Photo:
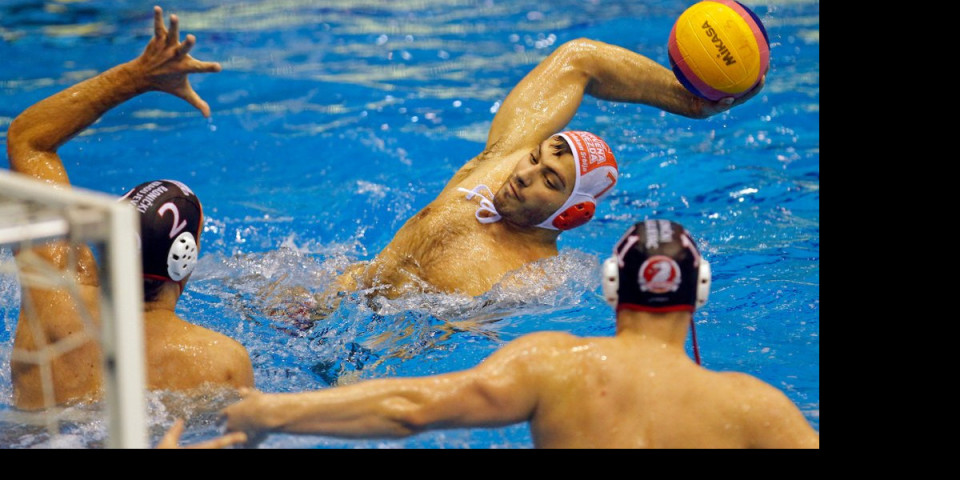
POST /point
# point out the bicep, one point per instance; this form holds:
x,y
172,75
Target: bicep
x,y
543,102
500,391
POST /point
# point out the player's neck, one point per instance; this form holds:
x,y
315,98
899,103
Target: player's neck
x,y
534,235
166,299
664,328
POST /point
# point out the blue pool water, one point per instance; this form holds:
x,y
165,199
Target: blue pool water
x,y
333,124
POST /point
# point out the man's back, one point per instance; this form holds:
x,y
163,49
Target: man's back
x,y
631,391
179,355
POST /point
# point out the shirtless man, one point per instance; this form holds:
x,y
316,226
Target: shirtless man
x,y
180,355
544,183
637,389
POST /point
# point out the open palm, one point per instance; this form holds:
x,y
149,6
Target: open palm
x,y
166,62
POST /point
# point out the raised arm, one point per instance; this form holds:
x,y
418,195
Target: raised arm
x,y
548,97
500,391
35,135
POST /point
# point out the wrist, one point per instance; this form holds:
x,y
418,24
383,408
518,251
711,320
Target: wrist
x,y
274,411
131,78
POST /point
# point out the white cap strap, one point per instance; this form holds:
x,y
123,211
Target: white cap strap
x,y
486,204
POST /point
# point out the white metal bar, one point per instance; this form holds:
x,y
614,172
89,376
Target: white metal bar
x,y
126,353
122,305
36,231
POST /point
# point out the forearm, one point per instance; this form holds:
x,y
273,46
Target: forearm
x,y
620,75
377,408
50,123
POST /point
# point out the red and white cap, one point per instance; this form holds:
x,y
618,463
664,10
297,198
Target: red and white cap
x,y
596,175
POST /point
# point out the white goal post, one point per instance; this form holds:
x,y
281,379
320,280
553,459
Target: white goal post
x,y
33,211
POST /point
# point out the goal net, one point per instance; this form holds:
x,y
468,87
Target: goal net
x,y
33,213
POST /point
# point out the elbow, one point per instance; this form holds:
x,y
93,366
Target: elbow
x,y
406,417
22,144
15,141
581,45
580,53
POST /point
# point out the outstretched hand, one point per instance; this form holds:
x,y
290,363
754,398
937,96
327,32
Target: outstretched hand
x,y
166,62
708,108
246,417
172,438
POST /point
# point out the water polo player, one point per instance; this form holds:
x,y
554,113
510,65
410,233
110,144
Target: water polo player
x,y
507,206
180,355
636,389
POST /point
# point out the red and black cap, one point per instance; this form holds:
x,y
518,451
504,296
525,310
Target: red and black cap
x,y
659,268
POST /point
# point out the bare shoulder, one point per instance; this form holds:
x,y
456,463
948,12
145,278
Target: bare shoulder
x,y
491,155
772,418
551,339
752,387
535,346
221,344
225,354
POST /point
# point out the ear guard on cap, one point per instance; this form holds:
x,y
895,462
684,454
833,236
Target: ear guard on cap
x,y
575,215
610,283
596,170
703,283
182,258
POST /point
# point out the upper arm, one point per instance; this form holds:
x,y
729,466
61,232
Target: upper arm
x,y
544,101
32,157
41,162
502,390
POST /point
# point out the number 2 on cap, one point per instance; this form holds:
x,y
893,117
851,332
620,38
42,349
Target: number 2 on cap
x,y
176,228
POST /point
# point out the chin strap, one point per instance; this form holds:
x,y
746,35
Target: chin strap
x,y
486,204
696,347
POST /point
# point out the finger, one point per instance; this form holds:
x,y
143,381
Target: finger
x,y
187,93
753,91
187,45
235,438
255,440
174,36
171,439
204,67
158,29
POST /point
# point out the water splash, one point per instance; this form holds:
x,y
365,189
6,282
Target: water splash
x,y
271,294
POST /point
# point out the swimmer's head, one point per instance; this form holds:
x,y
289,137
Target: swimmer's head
x,y
557,184
171,219
656,267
